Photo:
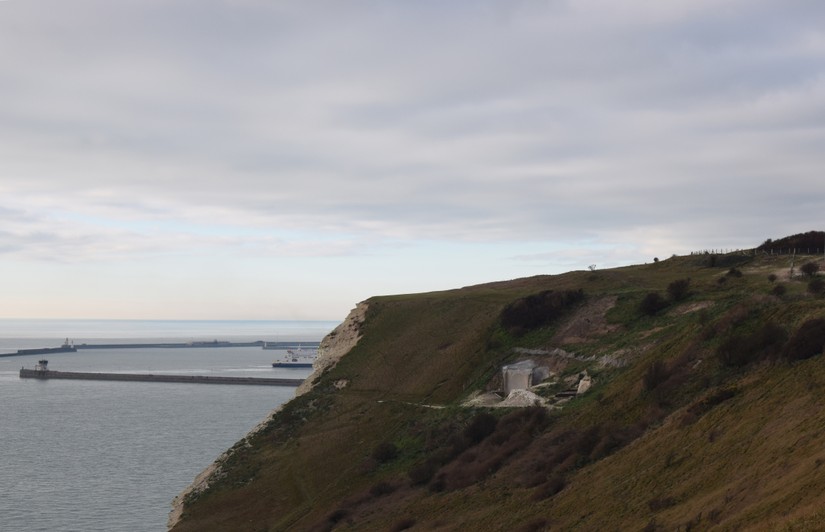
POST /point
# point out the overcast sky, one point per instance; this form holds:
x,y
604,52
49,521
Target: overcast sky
x,y
246,159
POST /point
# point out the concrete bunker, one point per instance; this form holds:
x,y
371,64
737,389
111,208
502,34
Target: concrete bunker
x,y
522,375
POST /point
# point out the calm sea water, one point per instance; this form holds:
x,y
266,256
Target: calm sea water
x,y
111,456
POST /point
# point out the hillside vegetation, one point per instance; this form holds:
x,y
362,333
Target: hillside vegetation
x,y
705,411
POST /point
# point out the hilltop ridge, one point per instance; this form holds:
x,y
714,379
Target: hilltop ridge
x,y
704,409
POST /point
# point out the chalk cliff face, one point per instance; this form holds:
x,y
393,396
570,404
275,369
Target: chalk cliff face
x,y
335,345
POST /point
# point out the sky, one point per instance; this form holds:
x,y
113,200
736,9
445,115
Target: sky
x,y
246,159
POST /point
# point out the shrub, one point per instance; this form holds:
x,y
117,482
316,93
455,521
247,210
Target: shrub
x,y
338,515
716,398
481,426
404,524
381,488
779,290
816,286
513,433
678,290
613,437
742,349
532,419
652,303
809,268
734,272
422,473
538,310
657,372
553,485
770,336
807,341
772,277
385,452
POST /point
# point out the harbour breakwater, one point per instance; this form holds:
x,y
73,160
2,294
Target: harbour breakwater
x,y
193,379
173,345
199,345
66,348
41,351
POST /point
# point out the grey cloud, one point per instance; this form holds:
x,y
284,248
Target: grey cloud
x,y
467,121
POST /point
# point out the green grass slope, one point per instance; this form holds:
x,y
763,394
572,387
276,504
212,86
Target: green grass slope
x,y
705,413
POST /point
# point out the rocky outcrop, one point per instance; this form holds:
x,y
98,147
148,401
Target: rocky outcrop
x,y
585,383
336,344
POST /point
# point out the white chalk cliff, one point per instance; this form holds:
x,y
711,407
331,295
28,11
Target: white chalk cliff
x,y
335,345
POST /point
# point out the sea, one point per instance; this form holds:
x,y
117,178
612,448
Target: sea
x,y
111,456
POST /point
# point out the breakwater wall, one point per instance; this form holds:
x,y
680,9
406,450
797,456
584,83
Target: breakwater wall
x,y
200,345
162,345
174,345
40,351
193,379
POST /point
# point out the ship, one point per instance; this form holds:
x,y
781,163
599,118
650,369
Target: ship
x,y
298,358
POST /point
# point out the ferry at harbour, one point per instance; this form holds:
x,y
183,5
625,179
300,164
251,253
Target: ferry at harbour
x,y
296,358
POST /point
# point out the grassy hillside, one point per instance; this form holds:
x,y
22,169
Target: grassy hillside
x,y
705,412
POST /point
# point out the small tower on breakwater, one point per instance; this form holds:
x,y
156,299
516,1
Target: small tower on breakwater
x,y
42,366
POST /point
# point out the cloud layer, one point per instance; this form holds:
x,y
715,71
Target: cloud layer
x,y
337,129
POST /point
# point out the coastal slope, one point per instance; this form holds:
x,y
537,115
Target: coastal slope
x,y
702,409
